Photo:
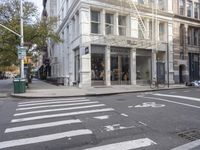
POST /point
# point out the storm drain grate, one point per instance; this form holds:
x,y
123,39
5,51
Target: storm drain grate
x,y
191,135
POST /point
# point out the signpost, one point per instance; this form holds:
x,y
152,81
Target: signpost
x,y
21,52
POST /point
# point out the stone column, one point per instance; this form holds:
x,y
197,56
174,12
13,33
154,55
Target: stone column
x,y
85,57
103,29
133,66
170,51
107,66
154,64
116,25
192,9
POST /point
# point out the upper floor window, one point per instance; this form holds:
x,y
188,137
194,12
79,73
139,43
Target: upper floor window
x,y
109,26
162,31
161,4
181,7
189,36
150,29
189,9
141,1
122,25
182,34
151,2
196,10
95,22
196,34
140,29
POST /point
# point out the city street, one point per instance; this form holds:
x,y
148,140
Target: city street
x,y
152,120
5,87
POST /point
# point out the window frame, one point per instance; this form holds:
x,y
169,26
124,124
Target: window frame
x,y
121,26
95,22
109,25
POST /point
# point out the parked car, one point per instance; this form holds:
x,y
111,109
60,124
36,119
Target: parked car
x,y
195,83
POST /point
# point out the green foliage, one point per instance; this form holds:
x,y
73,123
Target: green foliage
x,y
36,30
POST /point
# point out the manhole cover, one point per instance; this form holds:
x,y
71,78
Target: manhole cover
x,y
191,135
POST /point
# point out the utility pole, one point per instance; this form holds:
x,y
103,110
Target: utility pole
x,y
22,39
21,35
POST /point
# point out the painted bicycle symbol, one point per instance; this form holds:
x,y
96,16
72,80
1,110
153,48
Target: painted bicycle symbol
x,y
150,104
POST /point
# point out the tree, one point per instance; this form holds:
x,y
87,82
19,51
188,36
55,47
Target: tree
x,y
36,30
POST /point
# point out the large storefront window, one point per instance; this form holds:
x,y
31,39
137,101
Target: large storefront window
x,y
120,67
143,65
98,65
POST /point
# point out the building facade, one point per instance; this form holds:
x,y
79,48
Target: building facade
x,y
186,40
112,42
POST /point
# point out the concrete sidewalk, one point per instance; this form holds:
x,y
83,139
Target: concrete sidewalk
x,y
41,89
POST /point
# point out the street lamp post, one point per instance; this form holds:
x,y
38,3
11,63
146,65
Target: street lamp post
x,y
21,35
22,39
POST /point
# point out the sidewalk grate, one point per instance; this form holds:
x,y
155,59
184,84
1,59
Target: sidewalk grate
x,y
191,135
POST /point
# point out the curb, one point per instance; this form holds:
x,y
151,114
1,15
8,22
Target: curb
x,y
93,94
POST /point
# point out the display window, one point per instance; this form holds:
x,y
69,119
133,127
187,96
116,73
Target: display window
x,y
98,68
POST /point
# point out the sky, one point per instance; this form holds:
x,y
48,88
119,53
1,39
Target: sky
x,y
38,3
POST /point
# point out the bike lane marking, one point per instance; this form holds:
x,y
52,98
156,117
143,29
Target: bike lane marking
x,y
165,100
177,96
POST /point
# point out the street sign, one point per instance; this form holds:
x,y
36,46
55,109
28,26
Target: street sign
x,y
21,52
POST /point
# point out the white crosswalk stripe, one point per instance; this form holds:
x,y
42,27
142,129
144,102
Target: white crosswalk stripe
x,y
43,138
43,125
51,100
127,145
59,109
62,115
52,106
55,102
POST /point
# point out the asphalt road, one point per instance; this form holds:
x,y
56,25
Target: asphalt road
x,y
5,87
146,121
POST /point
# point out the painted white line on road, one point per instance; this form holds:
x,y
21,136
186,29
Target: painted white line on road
x,y
144,124
165,100
57,102
44,138
188,146
51,100
177,96
59,109
127,145
102,117
52,106
61,115
43,125
125,115
186,91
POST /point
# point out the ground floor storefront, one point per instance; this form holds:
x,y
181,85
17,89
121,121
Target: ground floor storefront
x,y
122,66
189,69
103,65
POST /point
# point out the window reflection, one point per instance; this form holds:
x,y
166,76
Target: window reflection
x,y
98,67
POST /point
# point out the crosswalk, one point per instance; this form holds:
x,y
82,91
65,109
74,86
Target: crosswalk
x,y
43,121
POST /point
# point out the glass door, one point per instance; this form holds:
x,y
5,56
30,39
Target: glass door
x,y
120,69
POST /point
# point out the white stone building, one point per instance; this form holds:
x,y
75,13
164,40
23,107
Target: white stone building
x,y
111,42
